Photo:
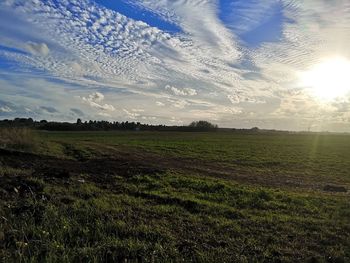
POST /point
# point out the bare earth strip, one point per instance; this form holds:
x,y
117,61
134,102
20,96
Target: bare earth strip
x,y
120,160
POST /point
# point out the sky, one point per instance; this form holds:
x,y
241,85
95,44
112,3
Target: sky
x,y
274,64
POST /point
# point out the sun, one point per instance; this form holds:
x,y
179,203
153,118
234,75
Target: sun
x,y
328,80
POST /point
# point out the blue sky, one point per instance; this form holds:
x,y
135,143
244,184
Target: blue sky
x,y
236,63
136,13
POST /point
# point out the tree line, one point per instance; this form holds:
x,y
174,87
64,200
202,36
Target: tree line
x,y
80,125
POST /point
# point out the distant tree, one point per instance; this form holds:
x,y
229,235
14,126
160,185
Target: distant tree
x,y
79,121
203,126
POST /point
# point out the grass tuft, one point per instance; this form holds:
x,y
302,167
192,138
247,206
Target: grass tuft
x,y
18,139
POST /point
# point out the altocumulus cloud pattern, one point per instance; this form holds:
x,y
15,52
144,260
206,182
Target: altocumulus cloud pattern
x,y
235,63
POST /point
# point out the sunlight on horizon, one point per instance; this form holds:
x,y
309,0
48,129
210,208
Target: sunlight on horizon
x,y
328,80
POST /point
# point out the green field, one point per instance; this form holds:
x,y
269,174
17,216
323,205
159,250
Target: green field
x,y
176,197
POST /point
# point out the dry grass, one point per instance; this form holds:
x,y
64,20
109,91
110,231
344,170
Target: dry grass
x,y
17,138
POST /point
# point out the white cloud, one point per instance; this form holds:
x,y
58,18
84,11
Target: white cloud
x,y
181,92
40,49
131,115
179,103
160,104
234,99
104,114
5,109
95,99
138,110
176,120
232,110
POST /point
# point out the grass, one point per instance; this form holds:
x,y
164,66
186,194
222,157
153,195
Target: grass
x,y
129,213
296,154
18,138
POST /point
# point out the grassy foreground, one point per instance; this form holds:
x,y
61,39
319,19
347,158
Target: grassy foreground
x,y
176,197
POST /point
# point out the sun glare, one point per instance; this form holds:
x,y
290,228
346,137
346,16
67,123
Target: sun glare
x,y
329,79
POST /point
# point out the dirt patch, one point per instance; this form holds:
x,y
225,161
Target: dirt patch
x,y
130,162
335,188
52,172
62,169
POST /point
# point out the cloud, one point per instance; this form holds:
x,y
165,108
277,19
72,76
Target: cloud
x,y
176,120
40,49
95,99
104,114
49,109
179,103
77,112
206,66
131,115
181,92
130,54
138,110
234,99
5,109
9,109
